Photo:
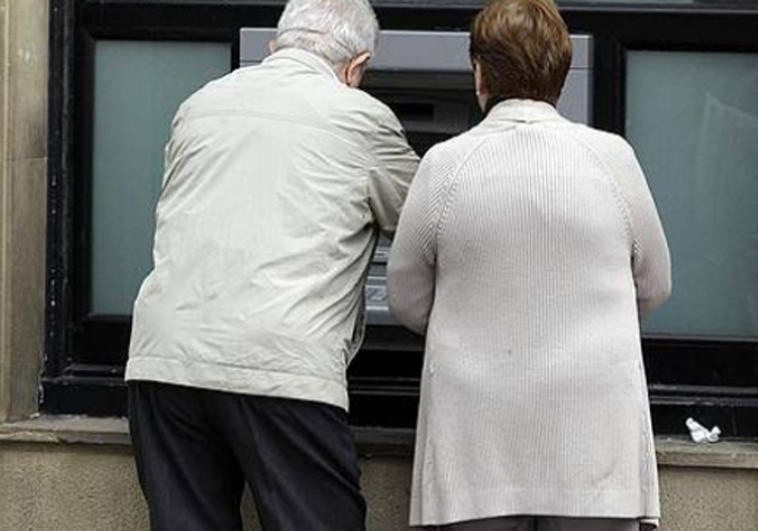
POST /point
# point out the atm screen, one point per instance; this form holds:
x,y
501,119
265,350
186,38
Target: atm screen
x,y
432,108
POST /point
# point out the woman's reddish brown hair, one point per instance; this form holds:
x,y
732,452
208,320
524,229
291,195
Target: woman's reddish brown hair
x,y
523,48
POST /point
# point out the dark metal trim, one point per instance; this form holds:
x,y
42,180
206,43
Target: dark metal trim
x,y
706,6
394,403
59,294
82,142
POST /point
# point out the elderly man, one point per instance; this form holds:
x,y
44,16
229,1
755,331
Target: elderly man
x,y
277,178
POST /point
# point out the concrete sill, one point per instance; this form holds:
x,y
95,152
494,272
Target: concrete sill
x,y
115,431
67,429
370,442
732,454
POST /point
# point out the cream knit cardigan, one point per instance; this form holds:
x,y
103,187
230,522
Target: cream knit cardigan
x,y
525,252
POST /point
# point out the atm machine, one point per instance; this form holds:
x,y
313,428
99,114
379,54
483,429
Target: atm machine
x,y
426,78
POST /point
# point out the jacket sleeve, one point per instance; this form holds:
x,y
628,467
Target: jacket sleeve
x,y
172,161
391,175
412,264
651,262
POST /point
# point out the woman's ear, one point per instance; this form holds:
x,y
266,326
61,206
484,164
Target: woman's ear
x,y
482,94
481,88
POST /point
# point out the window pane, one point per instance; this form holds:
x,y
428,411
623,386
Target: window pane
x,y
138,87
693,119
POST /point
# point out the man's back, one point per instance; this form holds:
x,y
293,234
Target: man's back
x,y
276,179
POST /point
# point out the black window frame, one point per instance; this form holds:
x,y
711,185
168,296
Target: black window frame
x,y
714,379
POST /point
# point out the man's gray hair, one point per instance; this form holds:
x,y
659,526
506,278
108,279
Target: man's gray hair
x,y
336,30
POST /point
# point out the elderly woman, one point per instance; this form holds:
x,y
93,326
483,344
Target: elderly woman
x,y
528,250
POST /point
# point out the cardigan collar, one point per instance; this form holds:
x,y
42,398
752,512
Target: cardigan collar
x,y
303,57
524,111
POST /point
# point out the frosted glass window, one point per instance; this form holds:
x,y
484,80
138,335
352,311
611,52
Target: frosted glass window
x,y
138,87
693,120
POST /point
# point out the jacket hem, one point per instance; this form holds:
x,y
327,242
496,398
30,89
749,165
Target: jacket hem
x,y
242,380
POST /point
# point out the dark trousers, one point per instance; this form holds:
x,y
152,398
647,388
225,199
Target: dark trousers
x,y
195,449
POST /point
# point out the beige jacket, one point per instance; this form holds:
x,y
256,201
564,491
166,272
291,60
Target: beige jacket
x,y
277,180
525,251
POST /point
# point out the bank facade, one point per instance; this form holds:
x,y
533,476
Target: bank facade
x,y
87,90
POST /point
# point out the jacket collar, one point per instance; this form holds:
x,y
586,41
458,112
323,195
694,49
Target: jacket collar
x,y
303,57
525,111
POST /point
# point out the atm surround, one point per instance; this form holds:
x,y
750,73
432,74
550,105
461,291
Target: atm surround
x,y
425,77
424,62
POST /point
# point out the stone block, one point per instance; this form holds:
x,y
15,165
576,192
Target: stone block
x,y
25,265
28,74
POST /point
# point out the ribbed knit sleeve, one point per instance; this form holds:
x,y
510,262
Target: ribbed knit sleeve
x,y
651,262
411,268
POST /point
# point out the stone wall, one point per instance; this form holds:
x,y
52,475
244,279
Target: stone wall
x,y
85,481
23,170
78,475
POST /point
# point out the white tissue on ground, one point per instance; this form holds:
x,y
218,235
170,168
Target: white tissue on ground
x,y
701,434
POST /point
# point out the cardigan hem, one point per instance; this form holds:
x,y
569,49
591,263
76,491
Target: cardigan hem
x,y
477,505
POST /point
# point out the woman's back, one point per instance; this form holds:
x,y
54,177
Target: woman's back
x,y
533,248
525,251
